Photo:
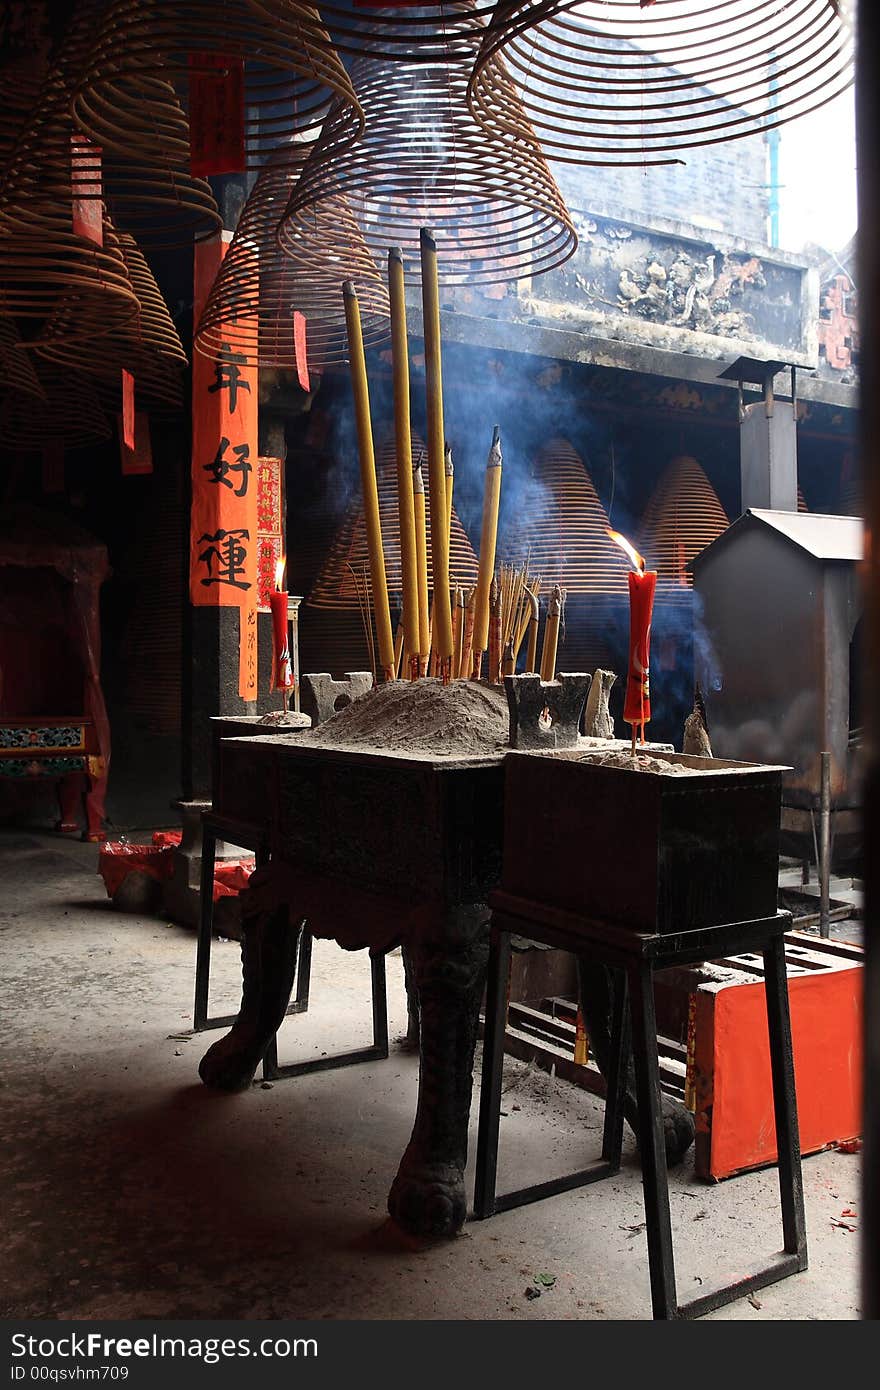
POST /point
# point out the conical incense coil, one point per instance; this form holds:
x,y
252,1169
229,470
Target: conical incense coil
x,y
143,176
291,69
560,528
627,83
259,287
43,260
425,33
682,517
16,368
423,161
149,348
342,577
71,416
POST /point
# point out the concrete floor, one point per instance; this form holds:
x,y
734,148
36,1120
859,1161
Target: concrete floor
x,y
133,1192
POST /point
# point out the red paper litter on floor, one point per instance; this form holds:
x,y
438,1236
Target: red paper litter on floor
x,y
118,858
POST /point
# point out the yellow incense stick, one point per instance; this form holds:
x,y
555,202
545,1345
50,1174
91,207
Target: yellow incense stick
x,y
441,630
403,449
358,368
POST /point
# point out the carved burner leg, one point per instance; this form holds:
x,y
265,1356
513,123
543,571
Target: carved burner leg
x,y
427,1197
597,988
268,966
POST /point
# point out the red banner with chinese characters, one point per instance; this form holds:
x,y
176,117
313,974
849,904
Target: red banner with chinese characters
x,y
216,114
270,511
223,519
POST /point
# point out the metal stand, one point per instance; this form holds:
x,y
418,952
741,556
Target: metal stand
x,y
216,828
638,956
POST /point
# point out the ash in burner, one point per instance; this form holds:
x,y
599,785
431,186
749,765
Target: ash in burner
x,y
642,762
424,716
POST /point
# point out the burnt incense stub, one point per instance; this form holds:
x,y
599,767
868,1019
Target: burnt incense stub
x,y
661,844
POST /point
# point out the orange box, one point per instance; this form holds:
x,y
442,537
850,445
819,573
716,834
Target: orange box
x,y
728,1069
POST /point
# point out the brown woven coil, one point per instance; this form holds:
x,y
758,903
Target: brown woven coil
x,y
259,286
348,559
43,260
149,347
682,517
561,527
422,160
71,416
17,375
621,82
426,33
144,178
291,67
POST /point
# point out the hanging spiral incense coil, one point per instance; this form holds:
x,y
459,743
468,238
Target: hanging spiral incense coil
x,y
291,69
71,416
424,33
620,82
337,584
42,260
682,517
258,286
149,348
17,375
422,160
144,178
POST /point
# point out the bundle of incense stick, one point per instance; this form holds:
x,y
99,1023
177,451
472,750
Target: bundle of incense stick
x,y
518,590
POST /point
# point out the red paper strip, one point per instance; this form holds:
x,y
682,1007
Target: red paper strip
x,y
86,189
301,349
128,410
140,458
216,113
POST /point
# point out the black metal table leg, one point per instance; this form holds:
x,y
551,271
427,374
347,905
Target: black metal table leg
x,y
378,1049
652,1147
201,1021
380,1005
612,1133
791,1186
493,1063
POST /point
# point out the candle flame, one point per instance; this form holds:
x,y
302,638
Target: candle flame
x,y
279,572
638,561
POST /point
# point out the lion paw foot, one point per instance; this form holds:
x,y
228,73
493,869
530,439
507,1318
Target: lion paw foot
x,y
230,1064
428,1199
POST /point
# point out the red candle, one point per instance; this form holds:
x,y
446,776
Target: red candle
x,y
642,583
282,671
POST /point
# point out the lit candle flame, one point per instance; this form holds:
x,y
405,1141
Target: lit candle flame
x,y
638,561
279,573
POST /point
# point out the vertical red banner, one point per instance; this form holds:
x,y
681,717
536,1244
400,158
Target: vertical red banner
x,y
223,518
216,114
270,547
86,189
